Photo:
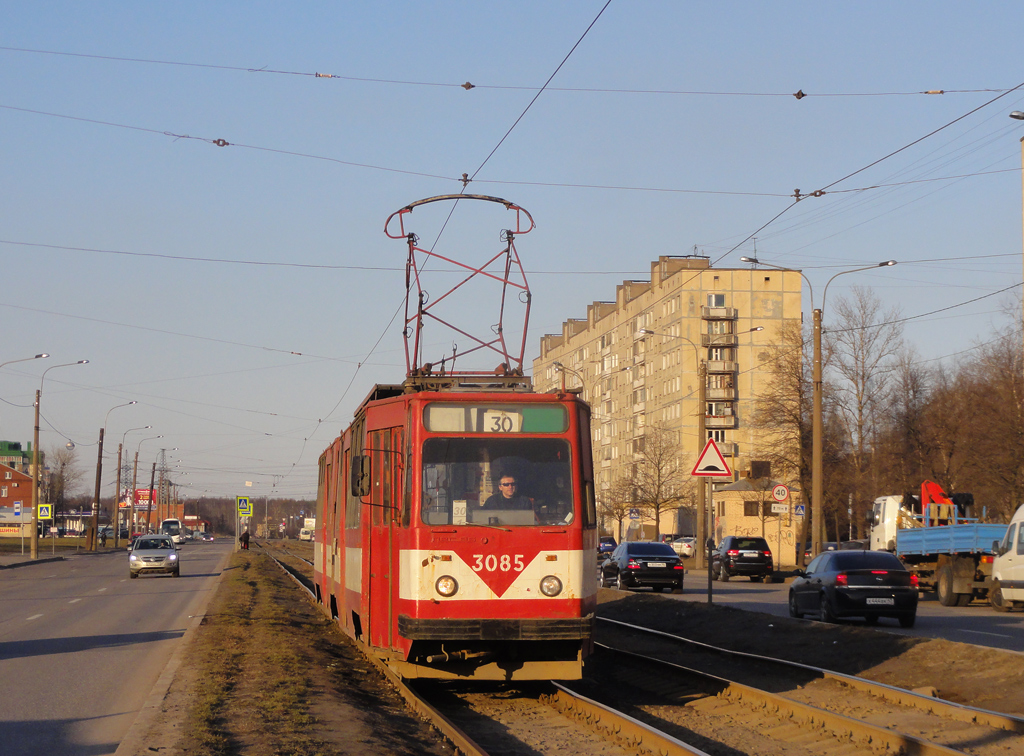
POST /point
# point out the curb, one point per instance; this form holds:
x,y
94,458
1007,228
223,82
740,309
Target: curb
x,y
29,562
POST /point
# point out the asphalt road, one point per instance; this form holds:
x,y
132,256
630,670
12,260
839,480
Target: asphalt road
x,y
977,623
81,645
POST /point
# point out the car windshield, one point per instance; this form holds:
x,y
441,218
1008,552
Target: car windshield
x,y
865,560
153,544
496,481
650,549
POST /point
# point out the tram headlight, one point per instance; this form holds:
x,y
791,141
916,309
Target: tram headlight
x,y
447,586
550,586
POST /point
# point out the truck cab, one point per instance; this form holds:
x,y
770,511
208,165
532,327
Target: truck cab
x,y
1008,566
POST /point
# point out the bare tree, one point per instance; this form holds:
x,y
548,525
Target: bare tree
x,y
658,477
616,502
864,343
65,477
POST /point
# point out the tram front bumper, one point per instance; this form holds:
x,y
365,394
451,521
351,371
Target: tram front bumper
x,y
577,628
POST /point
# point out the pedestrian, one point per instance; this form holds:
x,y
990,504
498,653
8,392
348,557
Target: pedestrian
x,y
245,540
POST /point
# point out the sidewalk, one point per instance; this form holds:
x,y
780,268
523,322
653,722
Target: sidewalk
x,y
9,561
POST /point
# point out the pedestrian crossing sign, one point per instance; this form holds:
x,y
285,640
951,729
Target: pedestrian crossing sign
x,y
244,506
46,511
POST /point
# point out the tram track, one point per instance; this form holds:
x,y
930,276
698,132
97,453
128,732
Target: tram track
x,y
685,697
776,700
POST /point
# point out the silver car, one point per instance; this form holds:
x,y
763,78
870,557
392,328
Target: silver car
x,y
154,553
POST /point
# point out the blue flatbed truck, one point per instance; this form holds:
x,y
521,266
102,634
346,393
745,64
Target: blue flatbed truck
x,y
947,552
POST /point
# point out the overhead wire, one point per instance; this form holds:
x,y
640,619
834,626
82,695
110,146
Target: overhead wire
x,y
799,94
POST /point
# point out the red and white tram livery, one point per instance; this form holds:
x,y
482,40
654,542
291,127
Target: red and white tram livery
x,y
456,530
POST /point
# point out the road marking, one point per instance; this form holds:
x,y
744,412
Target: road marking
x,y
102,589
72,601
981,632
34,616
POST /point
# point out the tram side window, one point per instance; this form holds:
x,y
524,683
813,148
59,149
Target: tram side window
x,y
589,498
496,481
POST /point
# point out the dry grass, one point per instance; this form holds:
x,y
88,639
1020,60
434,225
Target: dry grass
x,y
252,689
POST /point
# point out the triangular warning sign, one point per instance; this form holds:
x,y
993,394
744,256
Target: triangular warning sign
x,y
711,463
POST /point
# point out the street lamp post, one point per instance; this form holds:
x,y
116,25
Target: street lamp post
x,y
135,477
99,474
1019,116
34,542
817,432
131,502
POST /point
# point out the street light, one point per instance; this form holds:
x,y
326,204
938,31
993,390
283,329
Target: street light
x,y
817,514
135,478
1019,116
34,542
24,359
131,504
99,474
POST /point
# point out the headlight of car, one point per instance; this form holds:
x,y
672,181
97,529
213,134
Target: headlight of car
x,y
133,558
173,557
550,586
447,586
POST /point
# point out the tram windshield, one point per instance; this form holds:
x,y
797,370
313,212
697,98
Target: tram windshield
x,y
496,481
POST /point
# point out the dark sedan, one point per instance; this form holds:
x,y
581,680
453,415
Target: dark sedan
x,y
643,563
868,584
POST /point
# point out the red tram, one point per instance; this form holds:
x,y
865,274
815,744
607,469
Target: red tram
x,y
456,525
417,556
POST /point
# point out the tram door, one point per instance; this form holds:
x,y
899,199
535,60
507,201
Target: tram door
x,y
385,448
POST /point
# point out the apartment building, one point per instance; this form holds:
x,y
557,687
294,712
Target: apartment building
x,y
636,361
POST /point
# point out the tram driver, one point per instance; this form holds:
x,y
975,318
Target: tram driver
x,y
507,496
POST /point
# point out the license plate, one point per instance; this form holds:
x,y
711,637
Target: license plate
x,y
657,564
750,553
880,601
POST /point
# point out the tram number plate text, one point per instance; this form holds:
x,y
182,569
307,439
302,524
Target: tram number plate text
x,y
497,562
496,421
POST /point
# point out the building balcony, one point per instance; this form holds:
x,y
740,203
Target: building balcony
x,y
720,421
719,339
719,313
720,394
728,449
722,366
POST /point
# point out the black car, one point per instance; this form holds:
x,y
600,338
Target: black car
x,y
742,555
868,584
642,563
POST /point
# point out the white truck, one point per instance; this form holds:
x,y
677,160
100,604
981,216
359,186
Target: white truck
x,y
1007,591
938,541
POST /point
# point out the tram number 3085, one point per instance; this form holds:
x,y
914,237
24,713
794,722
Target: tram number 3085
x,y
495,562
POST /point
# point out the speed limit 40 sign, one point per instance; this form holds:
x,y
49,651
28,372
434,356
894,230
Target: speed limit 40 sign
x,y
780,492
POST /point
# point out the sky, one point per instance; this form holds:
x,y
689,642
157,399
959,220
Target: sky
x,y
245,294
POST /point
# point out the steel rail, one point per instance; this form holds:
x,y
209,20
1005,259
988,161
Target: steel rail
x,y
621,726
938,706
878,737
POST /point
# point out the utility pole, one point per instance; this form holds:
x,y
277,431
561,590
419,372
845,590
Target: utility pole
x,y
152,480
33,550
96,498
117,501
135,483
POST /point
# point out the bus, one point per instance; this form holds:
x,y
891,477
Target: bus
x,y
173,529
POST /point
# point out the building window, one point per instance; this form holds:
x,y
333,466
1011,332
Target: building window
x,y
7,475
716,300
760,469
3,491
750,509
718,435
